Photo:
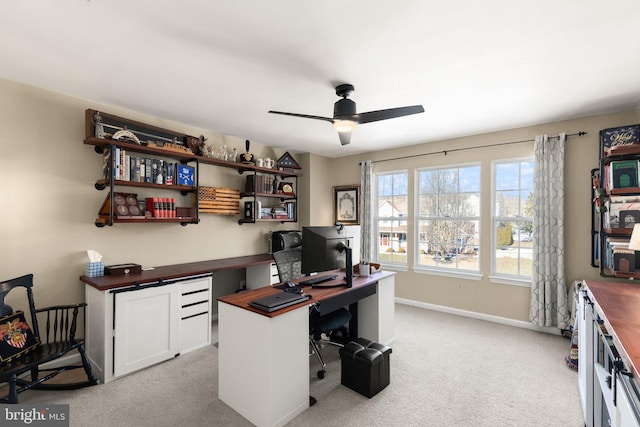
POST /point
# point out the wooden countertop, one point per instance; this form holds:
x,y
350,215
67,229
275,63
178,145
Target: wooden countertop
x,y
169,272
242,299
618,304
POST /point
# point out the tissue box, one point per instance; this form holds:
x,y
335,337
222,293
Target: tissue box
x,y
94,269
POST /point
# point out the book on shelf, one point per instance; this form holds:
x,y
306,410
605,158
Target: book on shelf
x,y
161,207
621,174
622,212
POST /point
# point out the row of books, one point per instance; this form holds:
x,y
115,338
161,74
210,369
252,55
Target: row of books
x,y
161,207
284,211
621,174
130,167
621,212
618,256
260,184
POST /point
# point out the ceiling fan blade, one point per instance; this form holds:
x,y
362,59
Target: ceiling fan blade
x,y
304,116
345,137
391,113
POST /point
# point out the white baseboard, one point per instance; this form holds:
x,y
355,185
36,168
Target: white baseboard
x,y
481,316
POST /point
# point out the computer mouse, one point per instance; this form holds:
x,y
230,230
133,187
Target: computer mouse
x,y
290,285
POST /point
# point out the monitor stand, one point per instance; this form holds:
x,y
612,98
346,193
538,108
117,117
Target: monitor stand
x,y
348,266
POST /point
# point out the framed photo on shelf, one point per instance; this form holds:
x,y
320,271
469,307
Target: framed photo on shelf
x,y
346,204
185,175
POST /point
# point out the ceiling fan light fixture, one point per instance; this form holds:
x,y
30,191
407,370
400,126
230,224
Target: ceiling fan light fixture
x,y
344,125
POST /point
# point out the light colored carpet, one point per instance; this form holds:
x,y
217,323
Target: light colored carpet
x,y
445,371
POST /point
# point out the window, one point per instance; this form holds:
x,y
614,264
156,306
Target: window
x,y
391,217
448,220
513,218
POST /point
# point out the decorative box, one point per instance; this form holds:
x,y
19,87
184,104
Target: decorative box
x,y
121,269
94,269
616,140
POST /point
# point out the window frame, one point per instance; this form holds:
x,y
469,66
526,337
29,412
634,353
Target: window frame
x,y
495,277
435,270
400,266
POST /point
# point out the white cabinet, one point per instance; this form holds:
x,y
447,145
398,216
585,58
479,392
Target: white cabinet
x,y
261,275
131,328
608,394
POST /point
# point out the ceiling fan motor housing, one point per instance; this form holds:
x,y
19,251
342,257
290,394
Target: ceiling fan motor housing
x,y
344,109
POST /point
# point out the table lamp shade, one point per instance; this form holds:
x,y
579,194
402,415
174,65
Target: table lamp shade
x,y
634,243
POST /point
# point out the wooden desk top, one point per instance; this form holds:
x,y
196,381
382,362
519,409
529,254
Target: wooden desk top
x,y
169,272
619,306
242,299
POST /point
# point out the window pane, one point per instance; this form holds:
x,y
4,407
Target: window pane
x,y
507,203
392,241
507,176
514,248
448,205
428,182
400,204
470,179
392,211
428,204
469,204
526,175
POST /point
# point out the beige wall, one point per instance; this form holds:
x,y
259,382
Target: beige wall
x,y
482,296
49,203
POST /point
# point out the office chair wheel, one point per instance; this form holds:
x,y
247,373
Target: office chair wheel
x,y
321,374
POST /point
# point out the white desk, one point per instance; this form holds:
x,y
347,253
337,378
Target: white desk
x,y
263,363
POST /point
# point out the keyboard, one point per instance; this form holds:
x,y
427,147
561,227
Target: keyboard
x,y
317,279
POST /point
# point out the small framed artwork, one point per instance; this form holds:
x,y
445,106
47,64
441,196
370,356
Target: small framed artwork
x,y
346,204
185,175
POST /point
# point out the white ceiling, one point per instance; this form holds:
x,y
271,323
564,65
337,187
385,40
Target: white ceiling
x,y
476,66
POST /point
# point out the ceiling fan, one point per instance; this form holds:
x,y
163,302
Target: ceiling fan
x,y
345,118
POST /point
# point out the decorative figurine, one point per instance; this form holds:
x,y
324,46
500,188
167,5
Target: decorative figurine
x,y
247,157
99,130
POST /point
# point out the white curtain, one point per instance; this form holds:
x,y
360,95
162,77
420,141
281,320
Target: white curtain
x,y
366,229
549,306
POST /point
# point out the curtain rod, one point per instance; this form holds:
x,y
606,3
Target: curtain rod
x,y
445,152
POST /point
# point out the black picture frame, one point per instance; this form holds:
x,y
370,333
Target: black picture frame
x,y
346,204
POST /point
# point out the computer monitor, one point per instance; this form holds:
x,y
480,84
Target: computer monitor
x,y
327,248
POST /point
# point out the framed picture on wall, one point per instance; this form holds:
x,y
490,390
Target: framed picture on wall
x,y
346,204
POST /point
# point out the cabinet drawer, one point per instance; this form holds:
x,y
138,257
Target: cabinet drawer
x,y
196,285
190,310
199,296
195,332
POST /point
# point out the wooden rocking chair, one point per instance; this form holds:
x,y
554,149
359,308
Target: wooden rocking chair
x,y
57,339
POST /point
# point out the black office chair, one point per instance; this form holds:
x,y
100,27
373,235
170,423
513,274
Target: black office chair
x,y
333,325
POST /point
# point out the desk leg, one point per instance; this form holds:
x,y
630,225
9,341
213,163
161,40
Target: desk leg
x,y
353,323
263,366
376,313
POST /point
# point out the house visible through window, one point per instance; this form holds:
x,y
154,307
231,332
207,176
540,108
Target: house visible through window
x,y
448,221
513,218
391,217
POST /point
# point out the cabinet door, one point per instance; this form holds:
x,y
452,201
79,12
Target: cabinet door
x,y
146,327
628,402
585,356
